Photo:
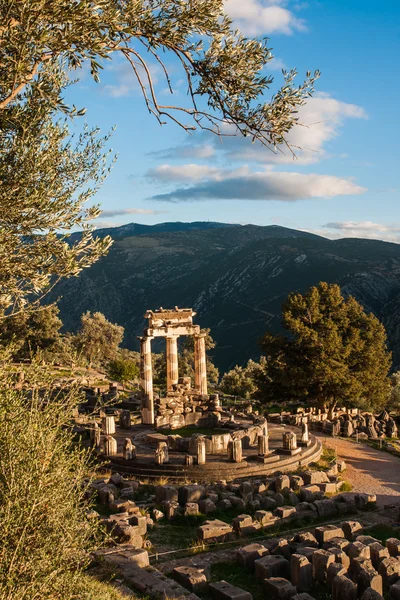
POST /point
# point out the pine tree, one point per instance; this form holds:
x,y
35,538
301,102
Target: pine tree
x,y
334,352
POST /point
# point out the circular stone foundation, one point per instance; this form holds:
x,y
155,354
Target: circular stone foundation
x,y
217,466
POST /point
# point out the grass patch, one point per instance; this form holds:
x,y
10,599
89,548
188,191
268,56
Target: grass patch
x,y
346,487
240,577
382,532
189,431
327,457
171,535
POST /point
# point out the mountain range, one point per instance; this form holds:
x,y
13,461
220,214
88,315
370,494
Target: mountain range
x,y
236,278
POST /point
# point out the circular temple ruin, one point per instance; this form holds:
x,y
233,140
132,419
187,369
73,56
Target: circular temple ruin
x,y
188,434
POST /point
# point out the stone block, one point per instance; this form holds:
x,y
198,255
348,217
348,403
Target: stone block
x,y
296,482
282,483
301,572
223,590
246,491
358,550
367,540
326,508
328,488
369,578
393,545
343,587
306,538
333,571
314,477
327,532
272,566
192,579
302,596
284,512
282,548
279,499
340,556
139,521
190,509
389,569
243,524
214,530
351,530
378,553
268,503
395,591
247,555
306,551
358,563
123,505
321,559
337,542
238,503
307,493
263,516
278,588
166,493
371,594
225,504
171,509
207,506
158,515
190,493
293,499
363,500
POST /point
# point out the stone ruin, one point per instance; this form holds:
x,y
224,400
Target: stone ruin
x,y
346,422
339,559
171,324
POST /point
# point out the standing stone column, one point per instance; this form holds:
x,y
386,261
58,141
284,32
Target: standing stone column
x,y
172,361
109,425
201,450
110,446
200,363
263,446
146,381
235,451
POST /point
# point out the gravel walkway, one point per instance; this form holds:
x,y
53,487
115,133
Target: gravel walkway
x,y
369,470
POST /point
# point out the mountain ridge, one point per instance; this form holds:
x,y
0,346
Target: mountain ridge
x,y
235,277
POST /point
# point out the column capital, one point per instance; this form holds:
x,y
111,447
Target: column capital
x,y
199,335
144,338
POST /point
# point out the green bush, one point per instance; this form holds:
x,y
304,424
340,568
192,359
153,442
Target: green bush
x,y
45,538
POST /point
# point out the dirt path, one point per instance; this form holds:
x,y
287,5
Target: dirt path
x,y
369,470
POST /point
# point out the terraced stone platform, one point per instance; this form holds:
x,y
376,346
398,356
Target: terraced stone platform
x,y
217,466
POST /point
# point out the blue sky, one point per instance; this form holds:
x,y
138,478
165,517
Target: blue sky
x,y
345,180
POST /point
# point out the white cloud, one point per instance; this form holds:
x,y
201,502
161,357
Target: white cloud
x,y
321,121
191,172
361,229
261,17
119,212
243,184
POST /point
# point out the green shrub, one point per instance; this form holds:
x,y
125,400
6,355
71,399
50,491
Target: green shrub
x,y
45,538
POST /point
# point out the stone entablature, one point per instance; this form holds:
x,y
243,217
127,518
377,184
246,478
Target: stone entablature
x,y
170,324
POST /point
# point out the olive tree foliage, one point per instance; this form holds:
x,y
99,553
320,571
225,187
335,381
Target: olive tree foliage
x,y
47,176
242,381
98,339
45,537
